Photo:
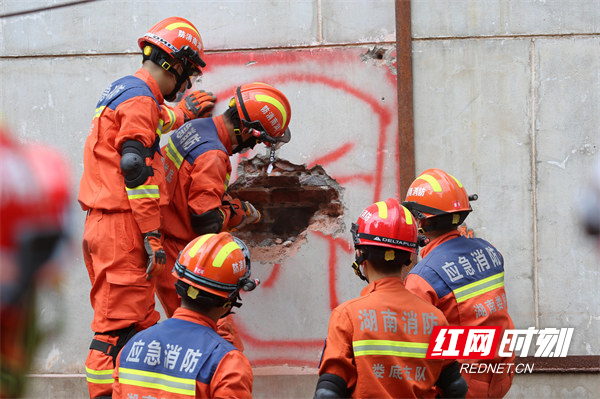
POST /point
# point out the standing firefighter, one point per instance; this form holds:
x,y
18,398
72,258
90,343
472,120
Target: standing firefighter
x,y
376,344
34,199
463,277
184,357
197,170
122,188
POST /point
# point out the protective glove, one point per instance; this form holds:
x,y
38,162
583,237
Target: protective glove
x,y
249,214
198,104
156,254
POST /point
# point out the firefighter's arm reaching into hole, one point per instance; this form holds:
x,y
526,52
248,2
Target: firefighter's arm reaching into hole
x,y
211,208
245,214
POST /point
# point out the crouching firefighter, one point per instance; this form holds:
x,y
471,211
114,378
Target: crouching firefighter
x,y
210,271
374,349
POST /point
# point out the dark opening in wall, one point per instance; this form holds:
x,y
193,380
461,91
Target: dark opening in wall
x,y
291,199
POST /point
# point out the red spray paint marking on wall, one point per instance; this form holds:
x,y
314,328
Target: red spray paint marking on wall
x,y
384,115
270,281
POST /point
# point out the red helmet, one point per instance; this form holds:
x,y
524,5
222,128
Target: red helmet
x,y
265,109
218,264
179,38
386,224
437,193
35,189
34,199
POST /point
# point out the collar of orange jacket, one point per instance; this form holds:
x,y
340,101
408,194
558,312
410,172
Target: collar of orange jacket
x,y
385,283
151,82
194,317
439,240
223,134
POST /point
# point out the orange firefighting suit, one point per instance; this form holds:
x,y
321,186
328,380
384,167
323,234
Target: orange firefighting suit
x,y
182,357
464,278
197,171
123,300
378,341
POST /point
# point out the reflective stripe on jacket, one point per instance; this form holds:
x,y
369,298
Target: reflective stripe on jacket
x,y
182,357
464,278
377,343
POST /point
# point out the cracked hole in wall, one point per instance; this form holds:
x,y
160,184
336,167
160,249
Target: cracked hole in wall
x,y
292,199
381,56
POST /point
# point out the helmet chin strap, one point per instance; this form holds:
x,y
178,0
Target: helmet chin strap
x,y
181,79
358,260
166,62
249,143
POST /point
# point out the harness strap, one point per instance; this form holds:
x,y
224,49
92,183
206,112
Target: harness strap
x,y
124,334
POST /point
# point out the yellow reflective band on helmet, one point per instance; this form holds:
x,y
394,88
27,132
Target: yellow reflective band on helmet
x,y
99,111
382,209
147,191
194,250
456,180
479,287
431,180
390,348
163,382
274,102
99,376
173,154
178,25
224,253
407,215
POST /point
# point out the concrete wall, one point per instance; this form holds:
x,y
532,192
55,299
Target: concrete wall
x,y
505,96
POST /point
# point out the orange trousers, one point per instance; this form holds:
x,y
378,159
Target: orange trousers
x,y
115,258
170,300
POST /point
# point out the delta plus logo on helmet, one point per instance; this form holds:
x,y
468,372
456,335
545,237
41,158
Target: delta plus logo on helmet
x,y
393,241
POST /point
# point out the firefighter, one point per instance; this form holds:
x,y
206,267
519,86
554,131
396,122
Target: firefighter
x,y
122,188
197,171
376,344
183,356
463,277
34,202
